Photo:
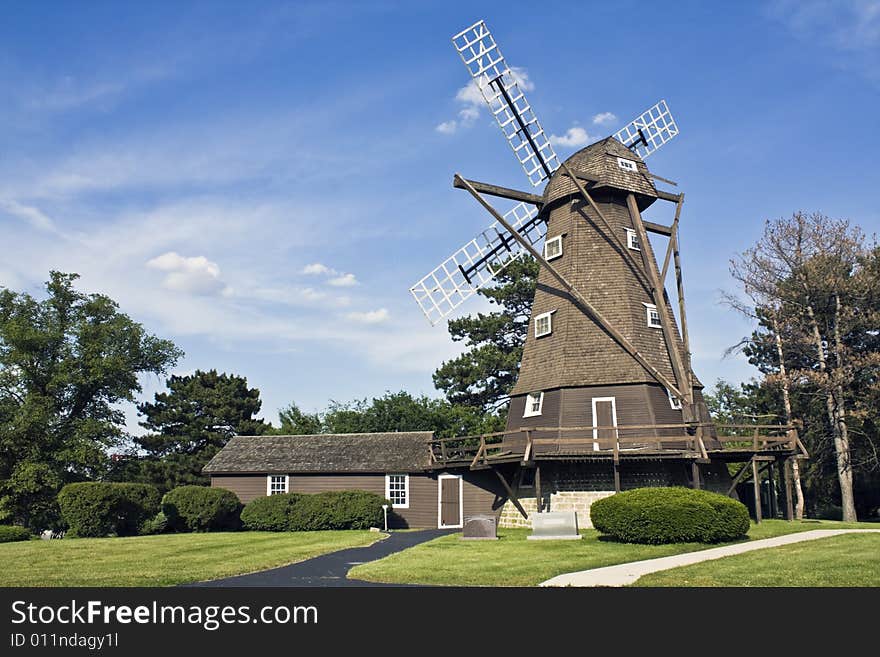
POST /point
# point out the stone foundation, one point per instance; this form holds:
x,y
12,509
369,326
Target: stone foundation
x,y
578,501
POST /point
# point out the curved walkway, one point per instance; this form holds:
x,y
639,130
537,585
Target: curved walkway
x,y
627,573
331,569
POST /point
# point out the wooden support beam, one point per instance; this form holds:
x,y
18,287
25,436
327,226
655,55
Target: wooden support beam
x,y
682,313
511,494
539,499
695,475
502,192
616,466
772,489
756,483
666,196
741,473
662,179
669,246
659,229
576,295
669,335
663,196
787,487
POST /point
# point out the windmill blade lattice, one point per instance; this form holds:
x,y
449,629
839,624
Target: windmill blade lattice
x,y
476,263
490,72
649,131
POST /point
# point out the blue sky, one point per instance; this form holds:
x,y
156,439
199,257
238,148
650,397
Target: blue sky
x,y
263,182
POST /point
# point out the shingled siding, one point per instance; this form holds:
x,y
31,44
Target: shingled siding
x,y
480,494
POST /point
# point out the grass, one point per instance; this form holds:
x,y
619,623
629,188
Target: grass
x,y
163,560
515,561
847,560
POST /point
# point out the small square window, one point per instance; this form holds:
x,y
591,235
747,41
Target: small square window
x,y
277,484
653,316
397,490
632,239
544,324
674,401
553,248
534,402
627,165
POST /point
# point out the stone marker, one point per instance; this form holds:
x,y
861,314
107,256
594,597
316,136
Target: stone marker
x,y
479,528
554,526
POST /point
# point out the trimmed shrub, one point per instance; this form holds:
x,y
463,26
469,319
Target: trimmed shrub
x,y
270,514
97,508
12,533
158,524
670,515
352,509
201,509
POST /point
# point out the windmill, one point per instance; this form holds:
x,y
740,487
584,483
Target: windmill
x,y
604,359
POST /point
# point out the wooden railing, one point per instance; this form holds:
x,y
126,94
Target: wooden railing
x,y
687,439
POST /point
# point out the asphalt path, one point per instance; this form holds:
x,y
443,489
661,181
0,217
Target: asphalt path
x,y
331,569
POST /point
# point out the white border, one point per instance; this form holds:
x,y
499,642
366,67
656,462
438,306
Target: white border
x,y
440,524
627,165
269,484
388,488
549,317
527,412
674,402
558,238
630,235
648,308
613,401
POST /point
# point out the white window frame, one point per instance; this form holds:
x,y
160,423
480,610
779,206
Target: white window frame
x,y
613,401
440,524
549,317
269,484
674,401
405,489
632,240
650,307
627,165
553,240
530,399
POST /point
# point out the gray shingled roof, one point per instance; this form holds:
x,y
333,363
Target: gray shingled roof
x,y
348,452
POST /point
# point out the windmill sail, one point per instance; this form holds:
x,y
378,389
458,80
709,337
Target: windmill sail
x,y
649,131
476,263
500,88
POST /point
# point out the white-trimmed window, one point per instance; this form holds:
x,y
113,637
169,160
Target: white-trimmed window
x,y
627,165
553,248
397,490
544,324
653,316
632,239
534,402
277,484
674,401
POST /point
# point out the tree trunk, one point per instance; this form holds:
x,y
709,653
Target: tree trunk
x,y
786,400
841,446
847,499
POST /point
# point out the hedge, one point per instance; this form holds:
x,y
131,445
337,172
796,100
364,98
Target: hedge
x,y
354,509
12,533
670,515
201,509
98,508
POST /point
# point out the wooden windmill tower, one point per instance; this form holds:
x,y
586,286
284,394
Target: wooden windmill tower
x,y
606,369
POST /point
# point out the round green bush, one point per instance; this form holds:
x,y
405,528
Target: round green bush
x,y
201,509
269,514
98,508
12,533
670,515
158,524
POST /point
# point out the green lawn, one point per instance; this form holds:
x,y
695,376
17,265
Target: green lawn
x,y
163,560
847,560
514,561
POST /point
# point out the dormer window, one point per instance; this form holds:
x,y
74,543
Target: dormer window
x,y
627,165
674,401
632,240
553,248
543,324
653,316
534,402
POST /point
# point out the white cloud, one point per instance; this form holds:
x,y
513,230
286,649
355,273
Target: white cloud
x,y
192,275
316,269
369,317
345,280
472,99
604,118
30,214
447,127
574,137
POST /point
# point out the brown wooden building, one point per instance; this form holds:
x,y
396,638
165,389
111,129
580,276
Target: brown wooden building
x,y
395,465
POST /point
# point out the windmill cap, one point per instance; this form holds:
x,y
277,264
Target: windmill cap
x,y
610,165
